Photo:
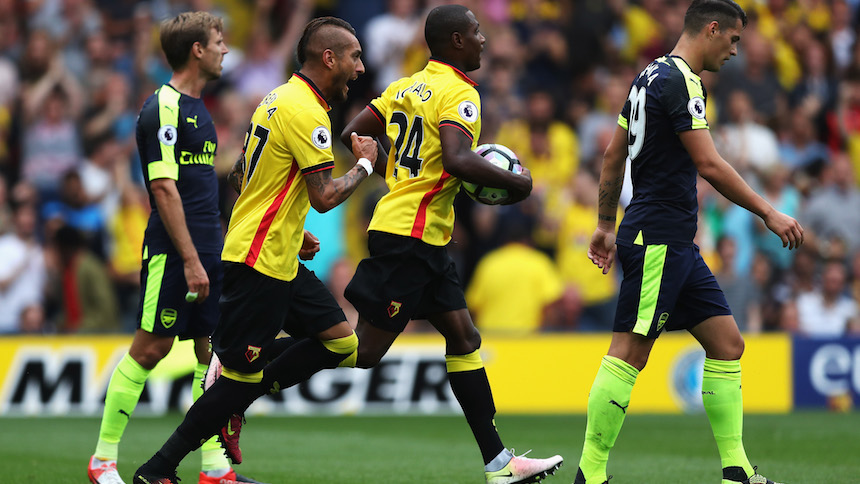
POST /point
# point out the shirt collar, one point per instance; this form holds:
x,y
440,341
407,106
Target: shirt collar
x,y
322,100
458,71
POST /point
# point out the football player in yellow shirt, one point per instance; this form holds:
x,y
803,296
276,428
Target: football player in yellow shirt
x,y
433,120
286,168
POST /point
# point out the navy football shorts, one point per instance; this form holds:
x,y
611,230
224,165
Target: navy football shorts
x,y
163,309
665,287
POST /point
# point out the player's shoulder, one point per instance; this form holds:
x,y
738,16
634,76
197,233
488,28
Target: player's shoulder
x,y
149,112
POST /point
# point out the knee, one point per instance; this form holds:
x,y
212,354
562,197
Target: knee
x,y
464,343
367,357
736,348
149,357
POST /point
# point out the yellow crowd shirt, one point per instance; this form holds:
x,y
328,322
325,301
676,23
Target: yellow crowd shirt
x,y
538,285
289,137
420,201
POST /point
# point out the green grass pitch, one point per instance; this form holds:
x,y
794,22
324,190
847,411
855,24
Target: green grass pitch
x,y
802,447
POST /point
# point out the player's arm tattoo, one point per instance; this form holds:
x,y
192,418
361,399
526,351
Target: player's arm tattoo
x,y
234,178
330,192
610,192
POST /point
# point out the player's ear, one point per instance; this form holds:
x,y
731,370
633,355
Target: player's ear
x,y
713,28
457,40
197,50
328,58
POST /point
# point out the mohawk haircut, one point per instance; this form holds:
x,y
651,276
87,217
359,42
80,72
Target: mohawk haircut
x,y
724,12
310,46
441,23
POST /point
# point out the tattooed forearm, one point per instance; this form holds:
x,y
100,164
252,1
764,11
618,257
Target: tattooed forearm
x,y
329,192
610,192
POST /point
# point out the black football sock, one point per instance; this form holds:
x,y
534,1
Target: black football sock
x,y
205,418
297,363
472,390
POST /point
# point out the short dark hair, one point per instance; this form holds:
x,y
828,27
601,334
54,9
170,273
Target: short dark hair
x,y
701,12
441,23
305,47
179,33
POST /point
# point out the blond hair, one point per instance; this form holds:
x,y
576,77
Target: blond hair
x,y
179,34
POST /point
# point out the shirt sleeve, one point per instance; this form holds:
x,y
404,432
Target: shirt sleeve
x,y
380,106
161,132
624,116
309,139
461,108
683,99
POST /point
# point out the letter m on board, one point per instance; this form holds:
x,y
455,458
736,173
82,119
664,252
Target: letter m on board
x,y
33,377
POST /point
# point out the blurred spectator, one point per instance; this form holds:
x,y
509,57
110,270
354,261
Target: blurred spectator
x,y
5,206
74,209
81,286
268,56
743,141
777,189
549,148
595,291
817,91
523,304
833,210
757,77
842,35
804,271
844,122
601,118
387,38
72,27
741,292
126,229
52,101
103,173
828,311
539,29
110,113
799,148
22,273
642,30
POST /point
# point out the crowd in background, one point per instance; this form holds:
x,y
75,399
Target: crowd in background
x,y
555,74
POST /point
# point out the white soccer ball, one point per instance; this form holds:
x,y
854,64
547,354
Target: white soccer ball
x,y
502,157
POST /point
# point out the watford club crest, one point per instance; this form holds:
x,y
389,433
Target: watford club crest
x,y
252,353
394,309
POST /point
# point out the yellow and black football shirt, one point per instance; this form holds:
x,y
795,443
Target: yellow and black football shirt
x,y
289,137
176,139
666,98
421,193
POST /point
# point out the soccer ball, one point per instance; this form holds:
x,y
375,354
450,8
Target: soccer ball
x,y
502,157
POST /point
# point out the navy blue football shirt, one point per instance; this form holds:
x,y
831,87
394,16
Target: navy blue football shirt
x,y
176,139
665,99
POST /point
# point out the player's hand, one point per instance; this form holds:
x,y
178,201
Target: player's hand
x,y
310,246
601,251
364,147
197,280
522,192
787,228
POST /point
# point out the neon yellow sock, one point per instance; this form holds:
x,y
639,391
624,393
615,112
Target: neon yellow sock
x,y
123,393
211,452
607,407
723,401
